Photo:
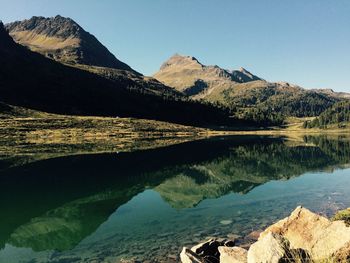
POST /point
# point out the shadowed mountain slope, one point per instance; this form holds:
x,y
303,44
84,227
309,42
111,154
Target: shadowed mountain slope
x,y
62,39
30,80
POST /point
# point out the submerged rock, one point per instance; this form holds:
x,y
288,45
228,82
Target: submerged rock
x,y
225,222
254,235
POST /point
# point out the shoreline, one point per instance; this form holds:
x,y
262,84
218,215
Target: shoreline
x,y
303,236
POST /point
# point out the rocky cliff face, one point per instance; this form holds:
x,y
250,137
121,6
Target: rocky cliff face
x,y
64,40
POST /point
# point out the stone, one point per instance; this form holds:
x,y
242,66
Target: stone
x,y
254,235
232,255
208,249
342,255
225,222
271,248
188,256
245,245
173,257
229,243
233,236
317,235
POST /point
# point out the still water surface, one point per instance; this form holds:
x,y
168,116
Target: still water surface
x,y
148,204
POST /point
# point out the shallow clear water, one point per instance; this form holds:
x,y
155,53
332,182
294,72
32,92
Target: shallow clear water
x,y
147,205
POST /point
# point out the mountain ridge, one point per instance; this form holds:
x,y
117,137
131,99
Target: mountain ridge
x,y
64,40
195,74
243,92
50,86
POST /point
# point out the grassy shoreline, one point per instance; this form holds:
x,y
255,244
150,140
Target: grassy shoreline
x,y
50,135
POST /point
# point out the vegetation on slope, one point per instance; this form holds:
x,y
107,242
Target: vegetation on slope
x,y
337,116
64,40
246,166
248,96
50,86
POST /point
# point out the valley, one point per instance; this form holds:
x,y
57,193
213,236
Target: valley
x,y
101,163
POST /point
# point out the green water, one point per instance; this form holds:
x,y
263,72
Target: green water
x,y
148,204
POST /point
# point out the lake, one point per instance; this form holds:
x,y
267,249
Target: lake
x,y
147,205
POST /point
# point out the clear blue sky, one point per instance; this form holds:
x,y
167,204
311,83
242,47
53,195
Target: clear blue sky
x,y
306,42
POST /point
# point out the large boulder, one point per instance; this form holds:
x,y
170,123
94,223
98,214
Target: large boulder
x,y
232,255
271,248
320,237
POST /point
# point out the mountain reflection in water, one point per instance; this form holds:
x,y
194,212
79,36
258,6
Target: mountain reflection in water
x,y
52,205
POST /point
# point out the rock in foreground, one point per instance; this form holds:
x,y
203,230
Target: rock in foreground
x,y
317,235
301,237
232,255
271,248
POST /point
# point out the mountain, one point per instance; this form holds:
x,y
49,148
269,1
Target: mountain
x,y
187,74
337,116
64,40
30,80
242,91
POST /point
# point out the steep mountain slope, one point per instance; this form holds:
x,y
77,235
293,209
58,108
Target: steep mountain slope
x,y
243,92
30,80
64,40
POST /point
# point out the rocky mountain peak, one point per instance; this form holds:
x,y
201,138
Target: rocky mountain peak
x,y
243,70
57,26
242,75
64,40
188,75
181,61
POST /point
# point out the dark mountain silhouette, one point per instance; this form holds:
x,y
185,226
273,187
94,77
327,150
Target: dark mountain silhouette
x,y
30,80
